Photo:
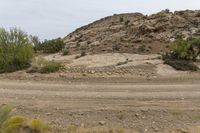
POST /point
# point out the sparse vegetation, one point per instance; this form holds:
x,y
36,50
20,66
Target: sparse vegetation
x,y
127,22
18,124
65,51
188,49
121,116
83,53
116,47
43,66
51,67
78,45
121,19
16,50
142,48
36,43
183,54
51,46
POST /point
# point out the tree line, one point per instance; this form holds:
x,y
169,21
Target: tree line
x,y
17,50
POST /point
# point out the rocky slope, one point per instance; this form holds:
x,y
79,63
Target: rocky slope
x,y
134,32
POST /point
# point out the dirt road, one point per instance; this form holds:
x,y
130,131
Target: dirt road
x,y
152,107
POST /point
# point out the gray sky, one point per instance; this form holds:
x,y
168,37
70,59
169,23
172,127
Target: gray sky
x,y
56,18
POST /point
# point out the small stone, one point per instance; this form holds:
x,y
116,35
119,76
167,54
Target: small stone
x,y
92,72
144,110
183,131
82,125
70,114
48,114
81,113
62,76
84,74
102,123
109,73
155,129
137,115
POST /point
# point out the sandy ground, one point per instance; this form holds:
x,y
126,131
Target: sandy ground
x,y
143,107
142,95
103,66
116,64
103,60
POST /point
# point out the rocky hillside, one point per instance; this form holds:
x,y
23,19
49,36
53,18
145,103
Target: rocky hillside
x,y
134,32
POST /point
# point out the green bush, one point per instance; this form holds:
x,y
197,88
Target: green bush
x,y
38,125
18,124
4,114
36,43
65,51
41,65
16,50
183,54
51,67
185,49
13,124
51,46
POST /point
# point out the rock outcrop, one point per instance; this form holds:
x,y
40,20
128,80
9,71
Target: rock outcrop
x,y
134,32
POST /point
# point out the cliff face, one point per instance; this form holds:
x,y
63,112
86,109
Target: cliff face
x,y
134,32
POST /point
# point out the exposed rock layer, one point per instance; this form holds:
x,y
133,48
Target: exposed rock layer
x,y
134,32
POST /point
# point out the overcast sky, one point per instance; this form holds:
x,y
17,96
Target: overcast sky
x,y
56,18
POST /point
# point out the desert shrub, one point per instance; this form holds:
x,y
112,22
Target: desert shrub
x,y
38,125
188,49
18,124
36,43
182,65
83,53
41,65
33,69
116,47
13,124
51,67
4,114
16,50
77,56
121,19
51,46
142,48
78,45
183,53
36,65
65,51
39,62
127,22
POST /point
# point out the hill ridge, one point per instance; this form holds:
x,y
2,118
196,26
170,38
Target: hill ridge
x,y
134,32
